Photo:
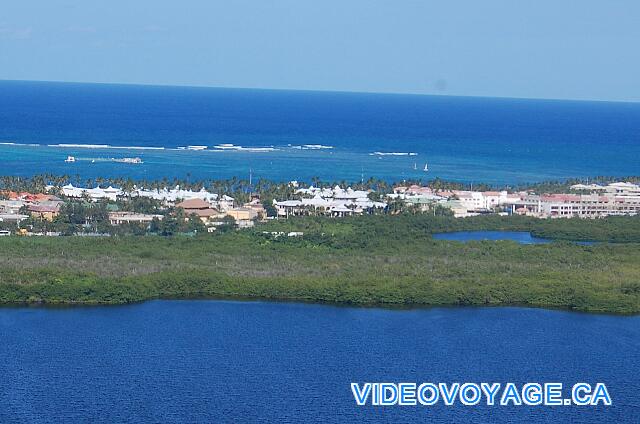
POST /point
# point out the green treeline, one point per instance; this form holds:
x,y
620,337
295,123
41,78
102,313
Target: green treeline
x,y
617,229
386,260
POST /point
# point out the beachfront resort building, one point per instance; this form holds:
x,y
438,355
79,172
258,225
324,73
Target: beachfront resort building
x,y
256,206
422,198
167,196
580,200
336,202
591,201
45,210
201,208
211,208
588,206
39,206
243,216
96,193
12,218
11,206
118,218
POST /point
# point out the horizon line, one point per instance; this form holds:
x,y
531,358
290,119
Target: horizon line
x,y
302,90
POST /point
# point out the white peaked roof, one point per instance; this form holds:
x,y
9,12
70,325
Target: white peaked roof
x,y
624,185
367,204
95,193
425,196
350,194
311,190
587,187
621,184
317,201
336,199
177,193
336,192
290,203
157,194
579,187
341,209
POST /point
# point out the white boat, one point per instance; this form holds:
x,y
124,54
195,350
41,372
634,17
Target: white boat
x,y
128,160
70,159
415,166
426,167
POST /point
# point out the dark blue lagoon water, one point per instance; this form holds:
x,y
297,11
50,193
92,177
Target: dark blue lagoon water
x,y
219,361
286,135
522,237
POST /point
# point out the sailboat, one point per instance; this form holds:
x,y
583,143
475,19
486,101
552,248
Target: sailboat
x,y
426,167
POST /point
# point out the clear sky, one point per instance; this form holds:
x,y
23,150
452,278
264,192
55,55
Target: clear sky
x,y
572,49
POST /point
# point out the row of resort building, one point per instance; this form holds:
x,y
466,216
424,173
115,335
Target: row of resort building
x,y
209,207
585,201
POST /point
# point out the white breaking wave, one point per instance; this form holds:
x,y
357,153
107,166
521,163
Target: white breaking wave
x,y
83,146
233,147
11,143
217,148
195,148
258,149
310,147
137,147
316,146
393,154
104,146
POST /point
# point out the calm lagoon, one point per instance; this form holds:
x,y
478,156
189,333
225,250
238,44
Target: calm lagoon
x,y
226,361
522,237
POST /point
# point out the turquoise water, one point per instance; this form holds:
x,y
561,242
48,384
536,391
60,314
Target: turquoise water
x,y
500,141
219,361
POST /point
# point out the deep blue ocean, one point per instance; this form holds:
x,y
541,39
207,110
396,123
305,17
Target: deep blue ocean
x,y
286,135
220,361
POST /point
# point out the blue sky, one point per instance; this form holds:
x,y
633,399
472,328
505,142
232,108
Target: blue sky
x,y
572,49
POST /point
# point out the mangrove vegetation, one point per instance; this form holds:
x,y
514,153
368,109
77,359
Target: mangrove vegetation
x,y
366,260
